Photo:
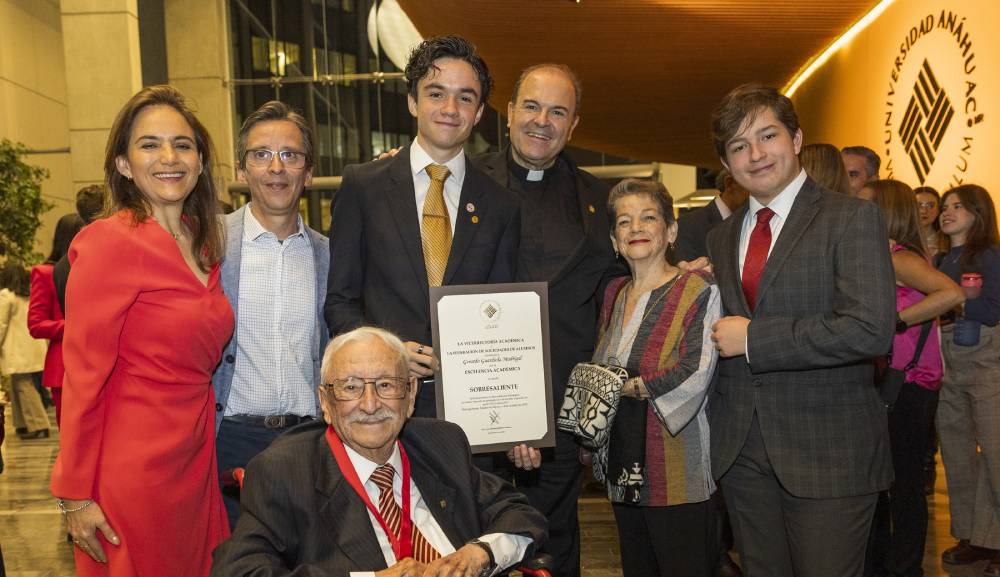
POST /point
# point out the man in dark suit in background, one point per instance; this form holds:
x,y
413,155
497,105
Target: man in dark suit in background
x,y
318,501
565,241
693,226
423,218
799,434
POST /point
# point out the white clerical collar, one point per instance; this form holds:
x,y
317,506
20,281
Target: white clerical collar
x,y
419,159
535,175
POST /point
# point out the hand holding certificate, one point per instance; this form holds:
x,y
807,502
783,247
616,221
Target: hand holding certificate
x,y
494,377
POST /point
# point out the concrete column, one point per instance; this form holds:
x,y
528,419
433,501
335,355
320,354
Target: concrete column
x,y
101,49
198,64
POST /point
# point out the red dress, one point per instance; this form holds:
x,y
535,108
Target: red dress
x,y
45,321
138,419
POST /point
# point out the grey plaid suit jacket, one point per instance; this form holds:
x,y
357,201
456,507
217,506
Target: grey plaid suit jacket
x,y
826,306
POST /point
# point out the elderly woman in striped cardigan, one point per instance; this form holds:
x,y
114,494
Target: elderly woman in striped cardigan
x,y
657,325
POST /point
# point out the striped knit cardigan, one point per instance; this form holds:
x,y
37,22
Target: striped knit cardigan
x,y
675,357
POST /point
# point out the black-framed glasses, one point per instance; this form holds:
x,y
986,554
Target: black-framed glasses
x,y
262,157
353,388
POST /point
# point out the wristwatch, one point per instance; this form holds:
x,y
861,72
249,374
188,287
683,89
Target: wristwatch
x,y
491,567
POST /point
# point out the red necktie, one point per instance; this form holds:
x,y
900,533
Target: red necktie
x,y
756,257
389,509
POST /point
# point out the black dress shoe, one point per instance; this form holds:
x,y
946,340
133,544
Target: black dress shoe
x,y
964,553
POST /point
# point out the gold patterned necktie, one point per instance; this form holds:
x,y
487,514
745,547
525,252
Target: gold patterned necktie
x,y
423,551
436,226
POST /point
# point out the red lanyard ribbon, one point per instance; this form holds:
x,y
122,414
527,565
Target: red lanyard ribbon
x,y
402,544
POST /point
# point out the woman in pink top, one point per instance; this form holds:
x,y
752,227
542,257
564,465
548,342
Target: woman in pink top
x,y
922,294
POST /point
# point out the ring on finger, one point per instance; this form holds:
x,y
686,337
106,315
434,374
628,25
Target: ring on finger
x,y
420,350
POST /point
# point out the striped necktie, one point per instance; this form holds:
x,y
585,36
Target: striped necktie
x,y
436,226
389,509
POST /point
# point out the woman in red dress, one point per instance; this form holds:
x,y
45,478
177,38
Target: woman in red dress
x,y
45,316
136,473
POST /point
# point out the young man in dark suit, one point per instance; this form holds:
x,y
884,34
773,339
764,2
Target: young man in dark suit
x,y
799,434
425,217
330,500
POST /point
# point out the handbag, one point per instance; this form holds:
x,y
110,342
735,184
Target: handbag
x,y
891,380
591,402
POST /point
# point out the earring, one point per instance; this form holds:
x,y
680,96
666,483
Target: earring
x,y
616,254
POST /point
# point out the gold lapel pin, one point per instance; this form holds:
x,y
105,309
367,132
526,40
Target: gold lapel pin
x,y
591,209
475,219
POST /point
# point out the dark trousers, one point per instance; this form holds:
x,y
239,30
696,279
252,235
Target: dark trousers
x,y
553,489
781,535
235,445
900,527
676,541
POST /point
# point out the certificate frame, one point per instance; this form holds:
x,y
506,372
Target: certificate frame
x,y
490,294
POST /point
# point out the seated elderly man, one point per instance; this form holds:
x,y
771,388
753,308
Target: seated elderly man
x,y
367,494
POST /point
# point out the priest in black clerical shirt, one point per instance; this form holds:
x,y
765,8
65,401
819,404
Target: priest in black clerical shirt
x,y
565,241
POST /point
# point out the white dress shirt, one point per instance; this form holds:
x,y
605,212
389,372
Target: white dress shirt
x,y
419,159
507,548
723,208
275,324
781,205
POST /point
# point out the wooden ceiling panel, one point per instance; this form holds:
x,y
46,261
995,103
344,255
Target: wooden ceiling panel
x,y
652,70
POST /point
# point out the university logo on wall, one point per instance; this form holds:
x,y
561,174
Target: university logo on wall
x,y
933,108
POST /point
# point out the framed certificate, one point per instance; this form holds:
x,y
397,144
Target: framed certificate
x,y
494,380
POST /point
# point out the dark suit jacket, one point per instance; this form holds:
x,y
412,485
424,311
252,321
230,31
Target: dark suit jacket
x,y
575,290
300,517
826,305
692,231
377,272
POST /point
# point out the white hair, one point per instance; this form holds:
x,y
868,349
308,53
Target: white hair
x,y
364,334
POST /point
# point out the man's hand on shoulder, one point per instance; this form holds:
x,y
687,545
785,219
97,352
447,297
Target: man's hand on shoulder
x,y
408,567
700,263
469,561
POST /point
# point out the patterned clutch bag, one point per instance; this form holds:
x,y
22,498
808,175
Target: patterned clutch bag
x,y
591,402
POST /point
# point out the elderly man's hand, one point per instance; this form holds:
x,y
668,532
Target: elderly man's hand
x,y
468,561
408,567
420,359
389,153
730,335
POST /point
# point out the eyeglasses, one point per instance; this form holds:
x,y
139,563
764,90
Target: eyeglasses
x,y
353,388
927,205
262,157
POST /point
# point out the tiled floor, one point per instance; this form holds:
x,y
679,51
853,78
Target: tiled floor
x,y
34,544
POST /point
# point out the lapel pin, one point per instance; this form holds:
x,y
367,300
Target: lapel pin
x,y
443,503
591,209
470,207
475,219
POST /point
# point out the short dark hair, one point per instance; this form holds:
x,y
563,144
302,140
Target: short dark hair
x,y
90,202
423,57
740,107
872,161
200,205
274,110
570,74
66,229
15,278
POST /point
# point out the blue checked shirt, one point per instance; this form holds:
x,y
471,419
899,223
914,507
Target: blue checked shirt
x,y
277,304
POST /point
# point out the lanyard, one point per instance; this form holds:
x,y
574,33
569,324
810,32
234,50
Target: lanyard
x,y
402,545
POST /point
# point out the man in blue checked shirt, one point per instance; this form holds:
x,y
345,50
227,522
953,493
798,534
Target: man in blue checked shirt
x,y
274,274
